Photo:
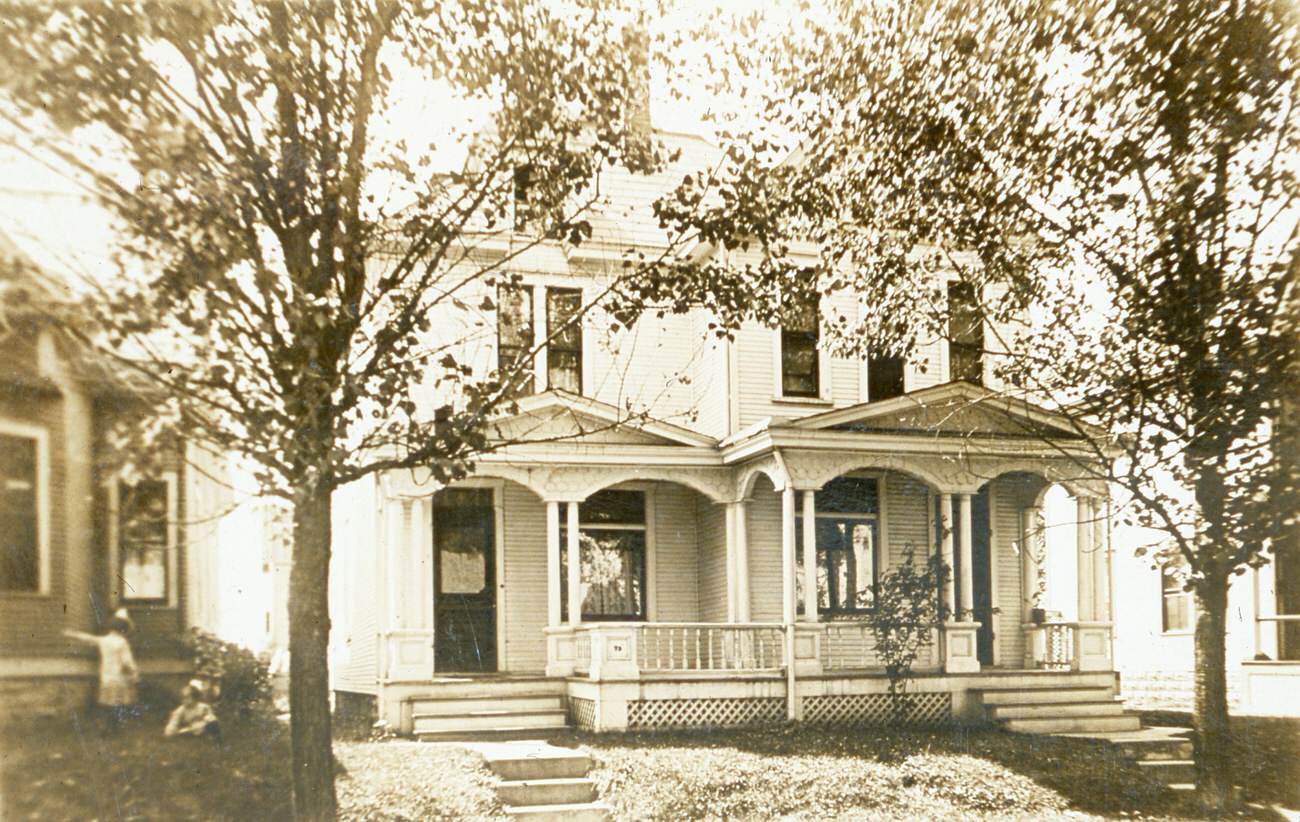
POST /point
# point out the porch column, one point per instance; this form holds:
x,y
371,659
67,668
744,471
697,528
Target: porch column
x,y
575,567
729,512
742,561
809,556
1083,552
1100,563
945,522
787,556
553,609
967,578
1029,561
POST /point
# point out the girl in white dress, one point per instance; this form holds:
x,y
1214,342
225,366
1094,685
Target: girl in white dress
x,y
118,675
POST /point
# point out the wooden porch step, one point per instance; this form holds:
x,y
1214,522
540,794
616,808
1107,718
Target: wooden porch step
x,y
504,734
1074,724
489,687
561,791
1049,710
459,706
584,812
1039,696
489,720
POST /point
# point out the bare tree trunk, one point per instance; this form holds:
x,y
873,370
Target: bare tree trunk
x,y
309,709
1213,736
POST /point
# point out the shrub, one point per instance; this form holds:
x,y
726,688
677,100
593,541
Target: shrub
x,y
241,677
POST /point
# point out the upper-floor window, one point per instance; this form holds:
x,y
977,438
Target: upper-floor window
x,y
20,527
1286,563
515,338
564,346
800,360
884,377
145,550
965,334
523,208
1176,604
612,548
848,546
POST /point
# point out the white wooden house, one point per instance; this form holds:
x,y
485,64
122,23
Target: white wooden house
x,y
707,562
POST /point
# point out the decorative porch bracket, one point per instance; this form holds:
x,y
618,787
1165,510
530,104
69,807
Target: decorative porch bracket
x,y
960,648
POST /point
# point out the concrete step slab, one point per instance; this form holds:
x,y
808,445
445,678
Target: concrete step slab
x,y
1037,696
1077,724
501,734
564,791
584,812
490,719
540,767
1056,709
1170,771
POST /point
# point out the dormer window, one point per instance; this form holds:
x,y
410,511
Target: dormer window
x,y
965,334
523,183
800,359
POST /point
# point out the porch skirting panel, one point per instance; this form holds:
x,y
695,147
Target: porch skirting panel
x,y
582,713
663,714
875,709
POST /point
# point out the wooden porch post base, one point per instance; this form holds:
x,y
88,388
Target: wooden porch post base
x,y
561,656
960,655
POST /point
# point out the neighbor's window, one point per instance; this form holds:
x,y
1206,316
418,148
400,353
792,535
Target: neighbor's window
x,y
515,338
884,377
848,546
800,368
1286,563
564,329
524,209
19,525
144,544
612,546
1176,603
965,335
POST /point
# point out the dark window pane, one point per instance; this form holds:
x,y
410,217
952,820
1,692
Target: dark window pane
x,y
523,184
847,563
884,378
564,330
799,355
515,337
1176,603
610,507
965,334
848,495
20,557
613,574
142,539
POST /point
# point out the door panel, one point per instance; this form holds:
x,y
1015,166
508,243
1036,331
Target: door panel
x,y
464,581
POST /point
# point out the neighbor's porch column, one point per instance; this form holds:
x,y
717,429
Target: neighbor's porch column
x,y
967,578
945,522
809,556
575,566
1087,603
553,586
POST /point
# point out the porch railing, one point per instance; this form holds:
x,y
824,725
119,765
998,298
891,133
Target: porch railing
x,y
1058,646
1070,646
710,646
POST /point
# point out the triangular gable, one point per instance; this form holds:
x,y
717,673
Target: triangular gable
x,y
560,416
954,408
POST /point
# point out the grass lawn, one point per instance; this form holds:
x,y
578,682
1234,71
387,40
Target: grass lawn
x,y
56,769
802,773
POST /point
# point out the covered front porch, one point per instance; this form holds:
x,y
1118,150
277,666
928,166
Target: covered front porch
x,y
660,558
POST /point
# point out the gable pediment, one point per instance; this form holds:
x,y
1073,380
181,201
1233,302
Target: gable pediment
x,y
952,409
559,417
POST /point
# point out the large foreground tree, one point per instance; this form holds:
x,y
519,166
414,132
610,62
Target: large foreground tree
x,y
1115,182
294,257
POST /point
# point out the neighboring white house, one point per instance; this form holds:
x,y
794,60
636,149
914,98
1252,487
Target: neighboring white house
x,y
1155,619
708,562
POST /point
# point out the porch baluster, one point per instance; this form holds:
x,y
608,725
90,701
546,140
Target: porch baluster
x,y
685,650
697,648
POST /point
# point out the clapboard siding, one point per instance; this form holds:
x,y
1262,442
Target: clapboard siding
x,y
713,559
1011,494
764,532
524,577
677,554
355,589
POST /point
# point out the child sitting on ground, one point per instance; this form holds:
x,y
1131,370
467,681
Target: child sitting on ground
x,y
193,717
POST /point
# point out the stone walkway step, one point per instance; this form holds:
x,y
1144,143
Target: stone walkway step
x,y
542,782
586,812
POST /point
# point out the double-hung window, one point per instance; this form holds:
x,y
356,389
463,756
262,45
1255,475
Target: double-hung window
x,y
848,546
612,547
20,526
965,334
515,338
1176,603
564,342
145,528
1286,564
884,377
800,360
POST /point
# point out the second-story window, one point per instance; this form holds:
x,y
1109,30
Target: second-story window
x,y
965,335
523,183
884,377
515,338
564,346
800,368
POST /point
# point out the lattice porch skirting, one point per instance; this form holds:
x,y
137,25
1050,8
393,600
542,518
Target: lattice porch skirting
x,y
874,709
582,712
654,714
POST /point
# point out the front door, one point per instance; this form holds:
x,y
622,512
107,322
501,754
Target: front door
x,y
981,575
464,581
